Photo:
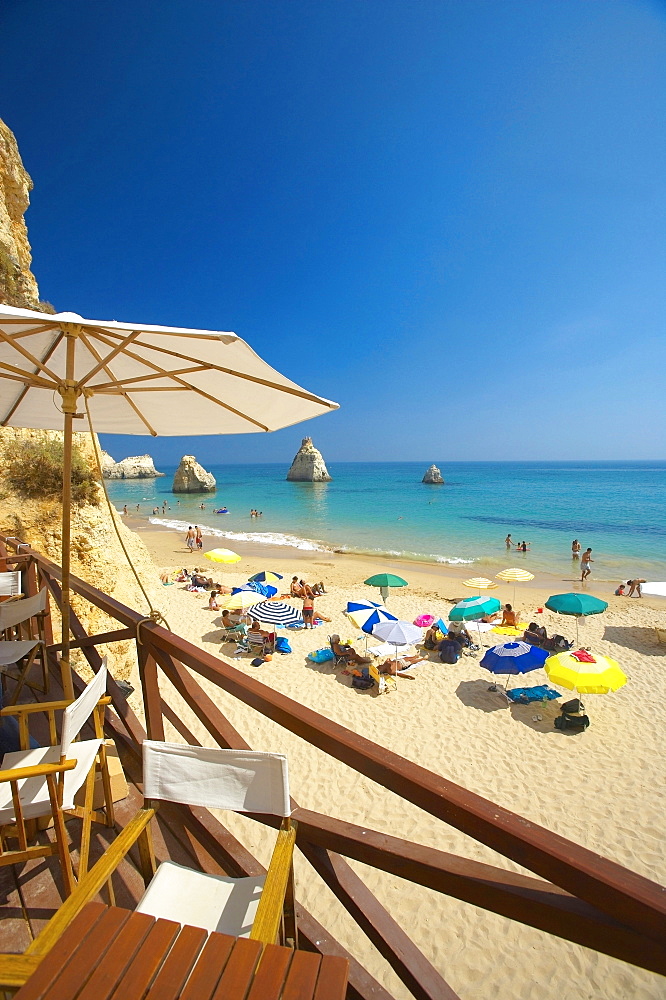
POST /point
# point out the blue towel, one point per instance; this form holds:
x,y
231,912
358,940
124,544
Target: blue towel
x,y
539,693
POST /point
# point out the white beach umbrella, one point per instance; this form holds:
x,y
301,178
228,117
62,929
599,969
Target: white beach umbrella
x,y
61,372
398,633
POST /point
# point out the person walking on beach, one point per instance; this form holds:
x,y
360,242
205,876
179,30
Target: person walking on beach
x,y
190,538
198,536
585,567
508,542
125,509
575,549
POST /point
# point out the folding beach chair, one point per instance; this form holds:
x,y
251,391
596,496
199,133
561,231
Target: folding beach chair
x,y
26,780
385,682
23,621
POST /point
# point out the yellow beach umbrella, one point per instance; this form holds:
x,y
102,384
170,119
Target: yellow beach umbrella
x,y
240,601
222,556
479,583
600,677
515,575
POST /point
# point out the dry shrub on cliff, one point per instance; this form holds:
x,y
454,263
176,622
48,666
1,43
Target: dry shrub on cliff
x,y
33,469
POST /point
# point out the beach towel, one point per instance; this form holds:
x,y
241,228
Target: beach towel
x,y
583,656
523,696
508,629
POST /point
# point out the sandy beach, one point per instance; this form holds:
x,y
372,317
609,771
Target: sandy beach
x,y
603,788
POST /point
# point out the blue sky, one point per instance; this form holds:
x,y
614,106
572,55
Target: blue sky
x,y
448,216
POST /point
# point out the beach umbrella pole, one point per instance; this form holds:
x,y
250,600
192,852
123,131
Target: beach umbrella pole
x,y
69,394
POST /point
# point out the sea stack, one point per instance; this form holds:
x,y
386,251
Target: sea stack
x,y
192,478
308,465
433,476
135,467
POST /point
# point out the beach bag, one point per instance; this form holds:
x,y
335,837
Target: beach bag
x,y
572,707
575,723
560,644
257,662
282,645
362,683
321,655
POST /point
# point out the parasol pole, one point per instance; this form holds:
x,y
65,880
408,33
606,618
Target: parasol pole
x,y
69,393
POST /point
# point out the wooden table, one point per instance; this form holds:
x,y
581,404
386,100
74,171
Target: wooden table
x,y
108,953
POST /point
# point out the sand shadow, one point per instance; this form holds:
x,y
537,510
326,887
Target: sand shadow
x,y
529,715
476,694
641,638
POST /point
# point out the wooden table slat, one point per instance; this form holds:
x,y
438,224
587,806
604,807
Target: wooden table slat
x,y
237,976
270,976
83,962
332,979
111,970
61,952
147,962
212,961
178,965
302,975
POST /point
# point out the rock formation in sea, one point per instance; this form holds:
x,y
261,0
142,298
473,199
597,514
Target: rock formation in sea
x,y
135,467
96,553
192,478
433,475
308,465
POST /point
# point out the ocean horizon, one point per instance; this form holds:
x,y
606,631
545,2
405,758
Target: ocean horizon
x,y
384,509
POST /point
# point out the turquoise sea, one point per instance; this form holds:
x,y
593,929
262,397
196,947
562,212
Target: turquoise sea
x,y
618,508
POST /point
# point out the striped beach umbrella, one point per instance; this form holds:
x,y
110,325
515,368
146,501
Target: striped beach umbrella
x,y
276,613
515,575
473,608
480,583
266,576
366,614
513,658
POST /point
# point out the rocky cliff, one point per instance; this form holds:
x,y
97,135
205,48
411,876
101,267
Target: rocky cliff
x,y
433,475
17,282
192,478
135,467
308,465
96,554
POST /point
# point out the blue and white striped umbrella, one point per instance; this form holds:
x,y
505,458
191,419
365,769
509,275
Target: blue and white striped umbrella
x,y
276,613
366,614
514,658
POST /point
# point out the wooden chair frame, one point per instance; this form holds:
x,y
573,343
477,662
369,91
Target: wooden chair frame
x,y
24,630
85,812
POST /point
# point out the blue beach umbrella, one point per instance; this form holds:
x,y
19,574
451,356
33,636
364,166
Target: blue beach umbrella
x,y
264,589
366,614
514,658
266,576
276,613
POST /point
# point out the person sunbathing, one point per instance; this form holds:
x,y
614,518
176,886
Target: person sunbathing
x,y
296,590
535,634
509,616
393,666
346,652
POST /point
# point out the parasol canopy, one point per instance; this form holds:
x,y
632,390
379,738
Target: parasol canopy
x,y
240,601
367,614
513,658
266,576
515,575
129,378
276,613
599,677
398,633
385,581
222,556
473,608
578,605
480,583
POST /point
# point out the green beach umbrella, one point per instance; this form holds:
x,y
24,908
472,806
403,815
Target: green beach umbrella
x,y
473,609
578,605
384,581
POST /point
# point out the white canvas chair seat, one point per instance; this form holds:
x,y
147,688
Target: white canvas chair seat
x,y
213,902
33,792
13,650
18,612
10,583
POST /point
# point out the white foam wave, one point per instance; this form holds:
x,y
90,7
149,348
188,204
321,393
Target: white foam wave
x,y
453,560
261,537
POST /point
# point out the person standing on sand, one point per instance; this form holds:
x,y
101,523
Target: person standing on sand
x,y
585,567
125,509
575,549
635,587
191,538
508,542
308,610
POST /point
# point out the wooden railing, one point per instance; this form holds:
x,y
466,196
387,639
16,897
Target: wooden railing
x,y
579,895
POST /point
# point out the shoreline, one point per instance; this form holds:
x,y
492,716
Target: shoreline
x,y
167,549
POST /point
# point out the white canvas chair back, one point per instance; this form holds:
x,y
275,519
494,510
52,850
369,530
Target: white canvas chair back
x,y
20,611
240,780
10,583
77,714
